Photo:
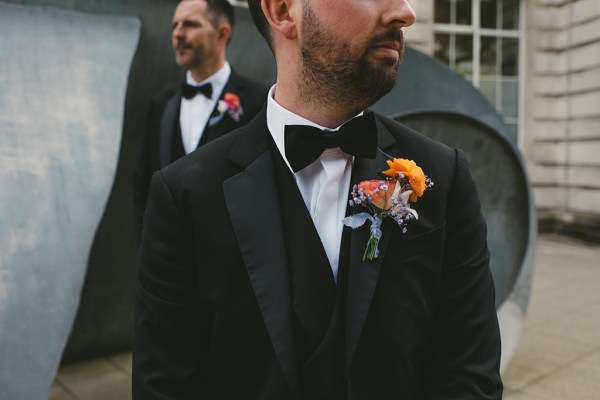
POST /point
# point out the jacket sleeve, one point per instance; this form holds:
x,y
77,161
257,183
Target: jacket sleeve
x,y
466,342
170,343
143,172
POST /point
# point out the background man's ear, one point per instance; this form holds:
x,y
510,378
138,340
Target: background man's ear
x,y
224,30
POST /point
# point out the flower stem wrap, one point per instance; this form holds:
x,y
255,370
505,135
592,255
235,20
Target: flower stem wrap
x,y
357,220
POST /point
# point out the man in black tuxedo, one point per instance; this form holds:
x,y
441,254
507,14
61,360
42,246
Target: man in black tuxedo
x,y
250,287
202,108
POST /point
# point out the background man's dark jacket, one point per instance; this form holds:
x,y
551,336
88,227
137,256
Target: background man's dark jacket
x,y
162,131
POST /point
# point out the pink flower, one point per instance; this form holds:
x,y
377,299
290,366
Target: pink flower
x,y
380,192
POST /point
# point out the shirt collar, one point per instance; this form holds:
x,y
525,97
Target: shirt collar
x,y
219,78
278,117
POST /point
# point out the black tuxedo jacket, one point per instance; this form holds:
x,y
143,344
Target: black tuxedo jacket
x,y
162,124
213,312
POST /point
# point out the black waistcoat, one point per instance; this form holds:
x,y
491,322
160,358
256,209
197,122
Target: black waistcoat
x,y
319,305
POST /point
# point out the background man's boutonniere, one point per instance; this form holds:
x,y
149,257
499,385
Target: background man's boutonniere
x,y
230,105
389,197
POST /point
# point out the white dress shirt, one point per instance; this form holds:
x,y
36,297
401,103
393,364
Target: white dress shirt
x,y
194,113
326,179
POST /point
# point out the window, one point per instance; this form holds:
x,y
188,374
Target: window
x,y
480,39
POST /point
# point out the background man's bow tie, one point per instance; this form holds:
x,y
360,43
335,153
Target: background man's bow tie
x,y
189,91
304,144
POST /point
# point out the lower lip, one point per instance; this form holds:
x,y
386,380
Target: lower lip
x,y
387,51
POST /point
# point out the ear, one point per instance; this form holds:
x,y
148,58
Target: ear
x,y
224,30
280,16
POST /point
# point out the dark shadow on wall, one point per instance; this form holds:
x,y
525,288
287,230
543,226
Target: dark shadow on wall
x,y
104,322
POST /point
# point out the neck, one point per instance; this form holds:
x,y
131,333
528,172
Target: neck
x,y
206,70
325,105
330,115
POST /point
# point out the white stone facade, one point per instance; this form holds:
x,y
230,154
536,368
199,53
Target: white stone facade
x,y
562,112
560,136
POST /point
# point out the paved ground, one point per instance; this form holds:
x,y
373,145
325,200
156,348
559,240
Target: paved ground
x,y
558,356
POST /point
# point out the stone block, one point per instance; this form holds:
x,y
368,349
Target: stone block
x,y
548,129
550,152
423,10
550,40
552,85
585,175
549,197
585,105
585,81
586,32
585,57
550,107
547,174
585,152
585,128
552,3
548,18
584,10
584,200
545,62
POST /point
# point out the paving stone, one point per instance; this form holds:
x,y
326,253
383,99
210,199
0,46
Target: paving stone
x,y
122,361
558,357
96,380
574,381
59,393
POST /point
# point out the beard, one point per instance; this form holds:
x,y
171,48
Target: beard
x,y
335,73
194,55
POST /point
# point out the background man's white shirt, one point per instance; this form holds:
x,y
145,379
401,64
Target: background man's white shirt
x,y
195,112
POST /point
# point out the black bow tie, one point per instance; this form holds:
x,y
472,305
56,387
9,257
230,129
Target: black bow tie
x,y
304,144
189,91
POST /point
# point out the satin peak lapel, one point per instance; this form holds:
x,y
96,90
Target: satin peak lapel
x,y
363,275
254,207
167,128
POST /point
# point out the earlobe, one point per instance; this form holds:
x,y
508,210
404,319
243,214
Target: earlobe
x,y
277,13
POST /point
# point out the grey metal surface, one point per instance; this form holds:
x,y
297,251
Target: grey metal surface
x,y
63,77
104,320
424,84
507,204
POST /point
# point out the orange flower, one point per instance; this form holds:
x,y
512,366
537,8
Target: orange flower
x,y
379,191
414,174
232,99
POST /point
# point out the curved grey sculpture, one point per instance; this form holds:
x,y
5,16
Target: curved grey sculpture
x,y
61,112
438,102
507,205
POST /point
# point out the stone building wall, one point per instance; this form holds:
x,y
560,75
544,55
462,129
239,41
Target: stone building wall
x,y
561,140
420,35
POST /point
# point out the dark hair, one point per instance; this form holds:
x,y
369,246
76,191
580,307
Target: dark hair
x,y
220,9
260,21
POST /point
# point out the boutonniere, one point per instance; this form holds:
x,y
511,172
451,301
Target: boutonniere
x,y
230,105
405,182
